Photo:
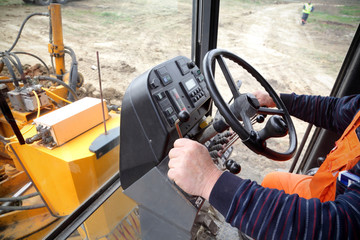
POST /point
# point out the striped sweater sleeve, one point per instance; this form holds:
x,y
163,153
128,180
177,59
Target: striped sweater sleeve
x,y
264,213
318,110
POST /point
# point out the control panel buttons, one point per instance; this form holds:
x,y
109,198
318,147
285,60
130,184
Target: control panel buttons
x,y
169,111
172,119
183,66
166,79
197,94
154,83
164,75
200,78
196,72
177,86
160,96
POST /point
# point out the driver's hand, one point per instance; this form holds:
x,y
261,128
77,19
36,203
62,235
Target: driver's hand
x,y
191,168
264,99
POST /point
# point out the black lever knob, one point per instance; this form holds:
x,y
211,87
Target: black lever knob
x,y
184,116
275,127
191,64
232,166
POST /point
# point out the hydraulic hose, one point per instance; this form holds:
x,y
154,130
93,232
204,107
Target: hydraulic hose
x,y
14,199
73,75
15,208
17,64
38,58
22,26
61,83
11,71
10,80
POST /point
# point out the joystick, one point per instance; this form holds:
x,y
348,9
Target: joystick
x,y
183,116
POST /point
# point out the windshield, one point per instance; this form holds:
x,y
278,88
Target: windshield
x,y
292,56
129,38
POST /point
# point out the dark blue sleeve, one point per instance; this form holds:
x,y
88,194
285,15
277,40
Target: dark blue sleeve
x,y
269,213
326,112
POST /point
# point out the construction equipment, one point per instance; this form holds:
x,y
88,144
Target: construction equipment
x,y
170,101
63,157
53,155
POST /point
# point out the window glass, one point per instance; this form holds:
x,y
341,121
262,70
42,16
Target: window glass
x,y
130,37
292,55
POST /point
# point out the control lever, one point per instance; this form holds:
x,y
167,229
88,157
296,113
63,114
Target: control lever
x,y
183,116
232,166
197,201
275,127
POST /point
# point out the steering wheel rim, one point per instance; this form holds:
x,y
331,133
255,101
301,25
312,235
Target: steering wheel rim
x,y
249,136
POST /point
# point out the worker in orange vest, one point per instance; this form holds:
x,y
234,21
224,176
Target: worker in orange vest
x,y
342,157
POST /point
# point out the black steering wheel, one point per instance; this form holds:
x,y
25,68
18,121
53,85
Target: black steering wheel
x,y
245,106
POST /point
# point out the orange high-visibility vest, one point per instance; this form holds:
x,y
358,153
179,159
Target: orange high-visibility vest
x,y
344,156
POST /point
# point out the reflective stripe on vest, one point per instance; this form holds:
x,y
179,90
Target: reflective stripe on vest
x,y
344,156
308,8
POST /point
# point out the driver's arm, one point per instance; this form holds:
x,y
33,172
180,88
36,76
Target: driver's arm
x,y
270,213
191,168
326,112
259,211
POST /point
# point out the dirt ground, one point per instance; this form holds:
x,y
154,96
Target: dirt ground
x,y
133,36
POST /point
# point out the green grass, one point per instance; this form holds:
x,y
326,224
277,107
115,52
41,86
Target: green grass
x,y
345,15
112,17
259,2
353,11
10,2
103,17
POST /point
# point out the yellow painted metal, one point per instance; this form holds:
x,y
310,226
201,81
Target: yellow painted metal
x,y
13,183
56,48
18,224
10,86
5,128
23,118
118,212
75,115
128,228
65,176
58,91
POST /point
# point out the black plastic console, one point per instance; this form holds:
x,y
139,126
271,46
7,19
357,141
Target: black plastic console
x,y
150,109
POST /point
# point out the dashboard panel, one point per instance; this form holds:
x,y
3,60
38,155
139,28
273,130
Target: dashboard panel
x,y
151,106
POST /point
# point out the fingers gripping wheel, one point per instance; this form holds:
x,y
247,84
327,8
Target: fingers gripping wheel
x,y
246,106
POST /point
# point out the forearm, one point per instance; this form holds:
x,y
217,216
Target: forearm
x,y
320,110
260,212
